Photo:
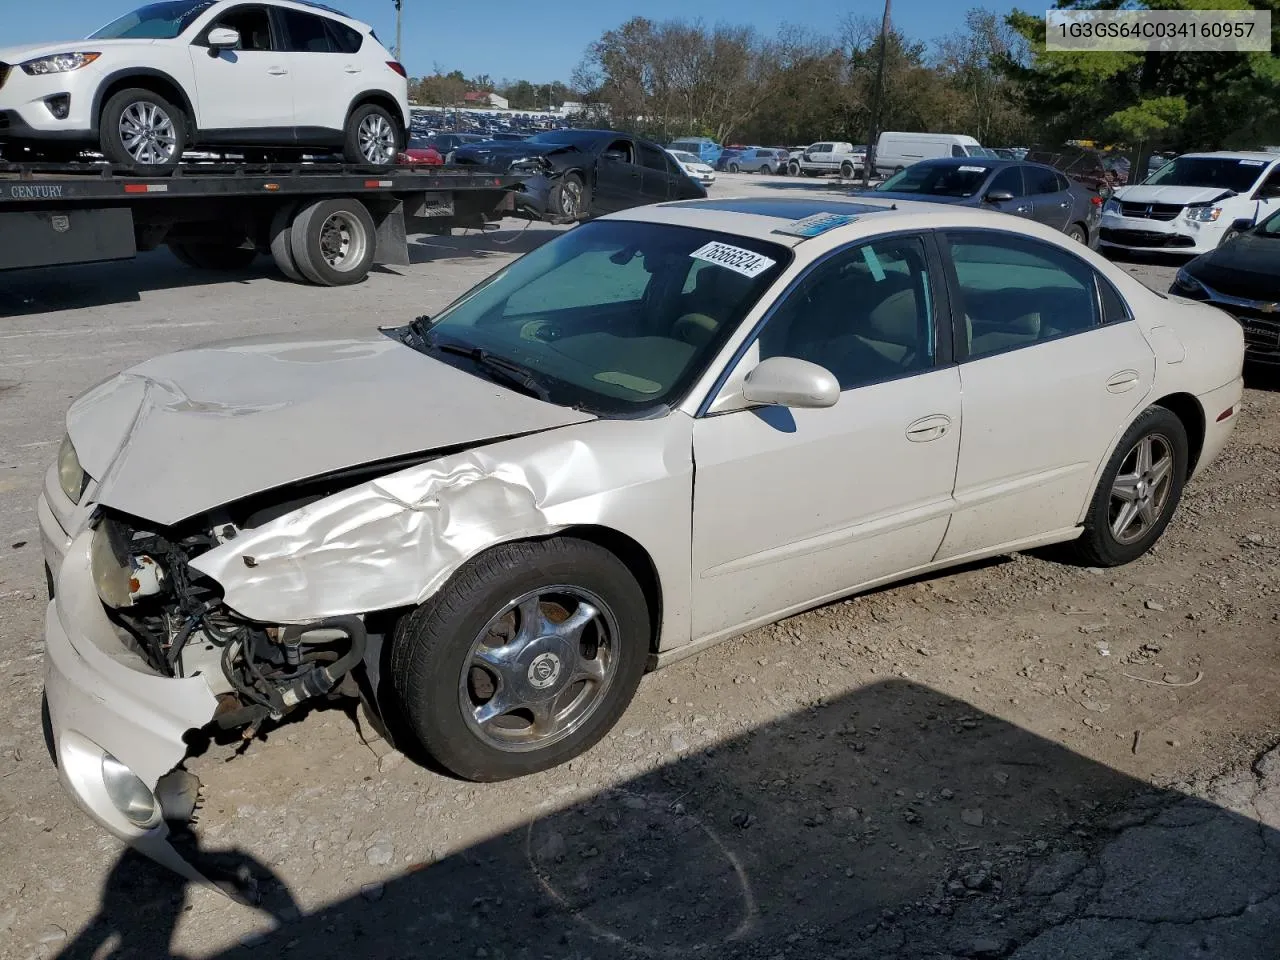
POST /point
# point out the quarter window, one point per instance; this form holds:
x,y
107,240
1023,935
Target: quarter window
x,y
866,314
343,38
1016,292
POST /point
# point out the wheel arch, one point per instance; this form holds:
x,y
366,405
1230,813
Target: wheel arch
x,y
147,78
382,99
637,560
1187,409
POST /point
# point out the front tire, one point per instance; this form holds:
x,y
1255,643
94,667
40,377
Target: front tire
x,y
372,137
569,198
523,661
1139,491
143,131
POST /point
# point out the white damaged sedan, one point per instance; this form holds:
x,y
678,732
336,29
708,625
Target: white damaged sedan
x,y
661,429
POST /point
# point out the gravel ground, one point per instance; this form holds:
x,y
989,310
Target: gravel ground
x,y
1009,760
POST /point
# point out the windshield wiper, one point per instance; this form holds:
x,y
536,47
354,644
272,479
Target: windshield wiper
x,y
499,368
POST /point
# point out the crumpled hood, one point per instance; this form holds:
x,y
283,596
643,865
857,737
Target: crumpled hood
x,y
498,155
1140,193
186,432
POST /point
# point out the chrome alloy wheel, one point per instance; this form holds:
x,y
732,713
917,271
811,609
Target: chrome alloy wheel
x,y
571,198
539,669
147,133
343,241
377,139
1141,489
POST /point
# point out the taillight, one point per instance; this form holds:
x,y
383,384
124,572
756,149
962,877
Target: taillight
x,y
397,68
1096,200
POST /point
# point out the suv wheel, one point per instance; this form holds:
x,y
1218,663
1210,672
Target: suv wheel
x,y
372,137
142,130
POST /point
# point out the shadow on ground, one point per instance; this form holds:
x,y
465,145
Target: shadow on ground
x,y
511,239
892,822
50,289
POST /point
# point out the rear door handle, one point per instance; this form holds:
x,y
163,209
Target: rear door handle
x,y
932,427
277,71
1123,382
352,69
1023,210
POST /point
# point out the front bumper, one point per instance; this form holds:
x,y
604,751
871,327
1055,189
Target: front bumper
x,y
1258,318
24,114
103,698
1173,236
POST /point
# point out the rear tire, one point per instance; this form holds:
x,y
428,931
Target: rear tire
x,y
372,137
436,673
281,235
212,256
1078,233
846,171
734,168
143,131
333,242
1130,480
767,170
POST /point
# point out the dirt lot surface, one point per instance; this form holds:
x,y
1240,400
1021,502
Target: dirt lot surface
x,y
1021,759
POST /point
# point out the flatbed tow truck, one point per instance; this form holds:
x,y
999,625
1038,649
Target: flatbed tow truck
x,y
323,223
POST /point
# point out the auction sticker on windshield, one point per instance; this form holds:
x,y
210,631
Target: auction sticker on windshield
x,y
745,262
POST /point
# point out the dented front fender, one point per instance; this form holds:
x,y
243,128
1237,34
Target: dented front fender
x,y
394,541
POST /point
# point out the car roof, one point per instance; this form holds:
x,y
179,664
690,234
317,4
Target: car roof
x,y
762,217
1234,155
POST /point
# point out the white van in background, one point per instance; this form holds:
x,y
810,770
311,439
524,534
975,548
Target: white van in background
x,y
897,151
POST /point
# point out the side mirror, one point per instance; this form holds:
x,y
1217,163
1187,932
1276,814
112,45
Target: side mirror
x,y
1242,225
998,196
789,382
223,38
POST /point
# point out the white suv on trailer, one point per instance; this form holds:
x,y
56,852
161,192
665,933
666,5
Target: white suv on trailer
x,y
277,76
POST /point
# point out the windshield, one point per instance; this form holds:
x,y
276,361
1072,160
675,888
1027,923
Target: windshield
x,y
613,317
1224,173
939,179
577,138
1269,227
685,157
156,21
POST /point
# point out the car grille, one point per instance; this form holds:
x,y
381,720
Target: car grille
x,y
1258,333
1152,211
1146,238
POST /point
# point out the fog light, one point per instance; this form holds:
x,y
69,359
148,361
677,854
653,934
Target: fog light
x,y
59,105
131,796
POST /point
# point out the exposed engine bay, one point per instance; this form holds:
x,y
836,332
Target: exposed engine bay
x,y
176,620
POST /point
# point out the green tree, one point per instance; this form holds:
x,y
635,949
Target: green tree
x,y
1179,100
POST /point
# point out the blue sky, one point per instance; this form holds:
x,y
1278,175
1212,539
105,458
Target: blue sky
x,y
504,38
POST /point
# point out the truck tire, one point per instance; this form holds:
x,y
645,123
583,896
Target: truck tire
x,y
281,237
143,131
333,242
846,170
212,256
793,169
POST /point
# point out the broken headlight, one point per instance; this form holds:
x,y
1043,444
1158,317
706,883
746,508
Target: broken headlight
x,y
120,576
71,476
128,793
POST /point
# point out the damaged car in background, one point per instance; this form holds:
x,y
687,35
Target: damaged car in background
x,y
485,525
574,175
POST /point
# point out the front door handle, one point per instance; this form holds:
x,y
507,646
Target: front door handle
x,y
1064,205
933,427
277,71
352,69
1123,382
1023,210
